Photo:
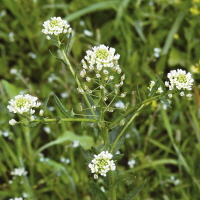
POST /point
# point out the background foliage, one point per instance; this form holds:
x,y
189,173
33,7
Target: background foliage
x,y
152,36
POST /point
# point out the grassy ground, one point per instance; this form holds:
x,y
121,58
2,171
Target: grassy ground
x,y
152,36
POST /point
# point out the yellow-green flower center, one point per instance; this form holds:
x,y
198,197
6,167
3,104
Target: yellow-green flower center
x,y
102,54
21,102
102,162
182,78
54,23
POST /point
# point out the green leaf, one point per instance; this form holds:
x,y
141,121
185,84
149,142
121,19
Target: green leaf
x,y
92,8
174,29
32,124
176,57
166,102
11,89
87,155
117,156
126,178
44,105
62,109
113,135
84,140
54,41
68,43
97,193
134,192
61,60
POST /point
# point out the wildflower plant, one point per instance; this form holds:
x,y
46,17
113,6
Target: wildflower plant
x,y
99,81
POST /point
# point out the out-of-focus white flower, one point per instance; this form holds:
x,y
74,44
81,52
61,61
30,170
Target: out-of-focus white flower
x,y
56,26
88,33
23,104
17,198
189,95
19,172
157,52
41,112
131,163
102,163
12,122
119,104
13,71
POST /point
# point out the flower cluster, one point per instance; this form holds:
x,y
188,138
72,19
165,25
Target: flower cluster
x,y
100,65
152,83
56,26
101,164
23,104
19,172
179,79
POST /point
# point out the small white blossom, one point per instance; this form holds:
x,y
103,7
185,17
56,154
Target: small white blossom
x,y
19,172
80,90
123,77
182,94
23,104
41,112
170,95
12,122
56,26
101,164
98,75
111,77
88,79
131,163
83,73
119,104
32,118
123,95
189,95
159,90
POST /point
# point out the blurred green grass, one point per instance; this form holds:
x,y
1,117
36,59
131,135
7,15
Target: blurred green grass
x,y
164,143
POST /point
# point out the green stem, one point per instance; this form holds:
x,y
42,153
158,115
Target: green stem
x,y
147,101
78,82
112,187
123,130
67,120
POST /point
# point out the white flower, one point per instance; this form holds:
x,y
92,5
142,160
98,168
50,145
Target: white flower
x,y
101,57
119,104
101,164
131,163
83,73
32,118
56,26
19,172
189,95
182,94
88,79
179,79
159,90
80,90
23,104
12,122
41,112
170,95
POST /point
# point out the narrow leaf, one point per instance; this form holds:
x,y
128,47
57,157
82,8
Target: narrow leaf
x,y
62,109
87,155
97,193
134,192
